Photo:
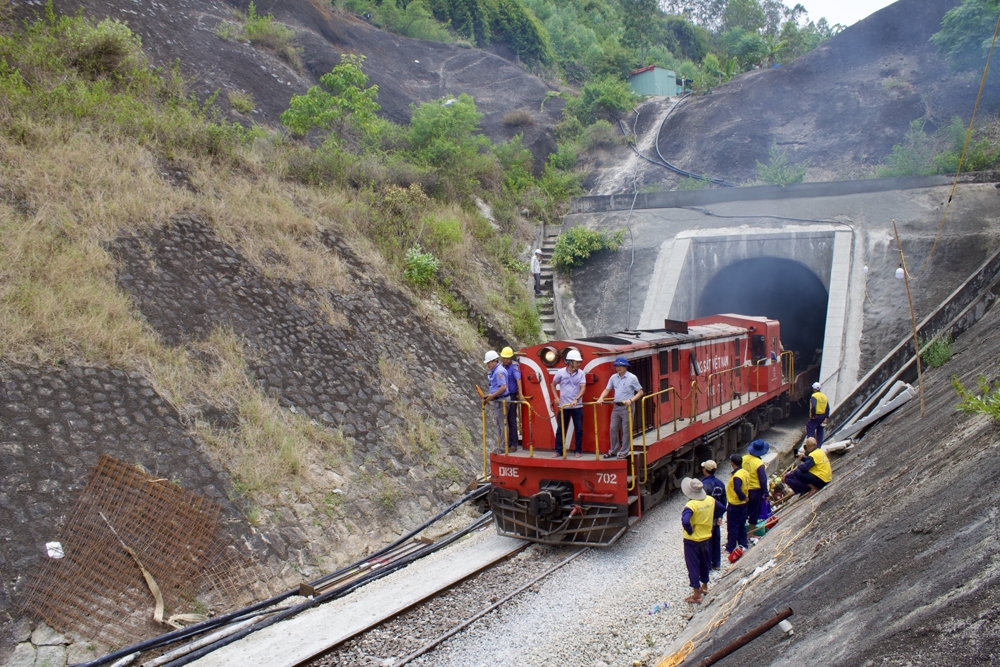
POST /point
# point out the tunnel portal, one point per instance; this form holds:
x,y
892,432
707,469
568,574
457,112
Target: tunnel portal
x,y
778,288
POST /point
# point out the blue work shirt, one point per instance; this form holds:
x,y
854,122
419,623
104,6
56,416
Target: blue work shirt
x,y
498,377
513,375
715,488
625,386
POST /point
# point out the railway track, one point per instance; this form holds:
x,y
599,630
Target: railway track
x,y
410,636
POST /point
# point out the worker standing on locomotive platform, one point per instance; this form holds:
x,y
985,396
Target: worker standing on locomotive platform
x,y
814,473
536,270
498,387
567,401
697,519
736,509
819,410
757,483
514,394
716,489
627,391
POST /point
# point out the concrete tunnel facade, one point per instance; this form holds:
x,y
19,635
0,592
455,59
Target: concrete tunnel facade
x,y
716,253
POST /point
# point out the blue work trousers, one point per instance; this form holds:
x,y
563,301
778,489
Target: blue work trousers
x,y
565,417
697,558
512,440
799,481
736,527
814,429
715,547
753,506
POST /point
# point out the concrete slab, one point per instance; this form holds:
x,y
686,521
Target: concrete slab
x,y
301,637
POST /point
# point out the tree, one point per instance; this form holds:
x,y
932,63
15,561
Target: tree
x,y
347,102
686,40
641,26
966,33
746,14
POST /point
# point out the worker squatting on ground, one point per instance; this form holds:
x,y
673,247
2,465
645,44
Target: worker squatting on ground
x,y
627,391
697,519
736,507
757,484
814,473
498,387
515,393
567,394
716,489
819,410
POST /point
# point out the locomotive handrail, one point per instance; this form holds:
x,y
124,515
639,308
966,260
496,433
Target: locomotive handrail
x,y
506,433
789,376
731,372
642,407
631,452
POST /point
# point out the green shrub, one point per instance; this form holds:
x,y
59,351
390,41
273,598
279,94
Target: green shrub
x,y
442,233
264,31
421,267
913,157
579,243
601,134
688,183
443,134
516,162
565,158
777,171
938,352
348,101
560,185
241,101
985,402
606,98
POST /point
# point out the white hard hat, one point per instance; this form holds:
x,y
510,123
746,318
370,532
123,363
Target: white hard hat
x,y
538,251
817,386
573,355
491,356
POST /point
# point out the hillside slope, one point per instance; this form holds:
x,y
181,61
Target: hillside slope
x,y
406,70
839,108
895,562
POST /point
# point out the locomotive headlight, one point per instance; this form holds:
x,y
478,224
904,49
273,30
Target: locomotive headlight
x,y
549,355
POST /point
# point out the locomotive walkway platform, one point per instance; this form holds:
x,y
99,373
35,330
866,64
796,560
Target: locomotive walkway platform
x,y
313,632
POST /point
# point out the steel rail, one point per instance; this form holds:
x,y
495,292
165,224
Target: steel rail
x,y
458,628
333,593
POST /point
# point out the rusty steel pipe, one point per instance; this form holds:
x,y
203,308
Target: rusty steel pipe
x,y
743,640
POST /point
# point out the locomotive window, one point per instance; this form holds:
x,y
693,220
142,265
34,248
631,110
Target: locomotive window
x,y
695,370
675,360
774,344
757,344
664,362
738,356
664,383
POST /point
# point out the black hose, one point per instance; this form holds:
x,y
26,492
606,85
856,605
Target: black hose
x,y
238,614
329,595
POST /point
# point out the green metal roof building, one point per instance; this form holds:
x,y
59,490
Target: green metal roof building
x,y
655,82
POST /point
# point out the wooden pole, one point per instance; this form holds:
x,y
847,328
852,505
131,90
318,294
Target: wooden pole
x,y
913,316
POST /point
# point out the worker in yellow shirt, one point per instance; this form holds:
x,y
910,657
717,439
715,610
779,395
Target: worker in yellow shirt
x,y
819,411
757,484
697,519
736,510
814,472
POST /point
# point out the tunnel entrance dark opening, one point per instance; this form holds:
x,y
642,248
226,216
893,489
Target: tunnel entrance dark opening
x,y
781,289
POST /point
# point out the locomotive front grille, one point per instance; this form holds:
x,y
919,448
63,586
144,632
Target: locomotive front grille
x,y
591,524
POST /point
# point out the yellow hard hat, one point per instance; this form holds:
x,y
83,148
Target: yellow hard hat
x,y
507,353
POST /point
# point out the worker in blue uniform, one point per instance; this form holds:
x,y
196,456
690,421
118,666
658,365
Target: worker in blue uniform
x,y
757,484
736,507
813,473
498,387
697,519
819,410
716,489
510,400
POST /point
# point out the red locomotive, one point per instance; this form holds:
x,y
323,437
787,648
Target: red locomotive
x,y
711,384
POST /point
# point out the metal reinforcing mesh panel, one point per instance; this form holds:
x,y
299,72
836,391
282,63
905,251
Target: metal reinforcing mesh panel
x,y
98,591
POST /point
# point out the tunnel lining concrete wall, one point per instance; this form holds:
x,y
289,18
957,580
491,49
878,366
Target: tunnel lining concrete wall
x,y
689,261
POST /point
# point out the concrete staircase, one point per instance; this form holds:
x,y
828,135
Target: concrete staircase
x,y
545,303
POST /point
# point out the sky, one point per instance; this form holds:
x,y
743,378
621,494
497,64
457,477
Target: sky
x,y
846,12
